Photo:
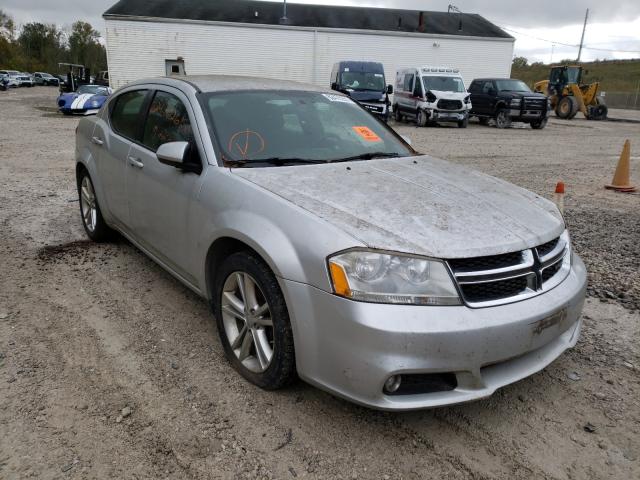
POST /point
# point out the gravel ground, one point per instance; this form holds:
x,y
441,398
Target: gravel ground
x,y
111,369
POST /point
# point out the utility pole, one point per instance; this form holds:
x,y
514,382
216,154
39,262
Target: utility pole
x,y
584,29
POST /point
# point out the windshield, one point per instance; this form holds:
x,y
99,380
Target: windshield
x,y
444,84
512,86
93,89
290,127
363,81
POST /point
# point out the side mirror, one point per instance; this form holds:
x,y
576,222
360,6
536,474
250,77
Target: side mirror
x,y
173,154
390,89
334,86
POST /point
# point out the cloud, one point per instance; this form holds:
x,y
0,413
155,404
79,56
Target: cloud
x,y
613,25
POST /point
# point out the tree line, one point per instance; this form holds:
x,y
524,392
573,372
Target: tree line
x,y
39,47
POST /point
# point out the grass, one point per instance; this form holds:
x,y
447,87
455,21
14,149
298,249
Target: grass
x,y
614,75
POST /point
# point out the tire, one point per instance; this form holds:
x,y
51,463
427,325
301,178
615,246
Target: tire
x,y
463,123
90,213
397,115
600,111
421,118
275,367
539,124
567,108
503,119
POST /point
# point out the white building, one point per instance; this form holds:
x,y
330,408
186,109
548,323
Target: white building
x,y
154,38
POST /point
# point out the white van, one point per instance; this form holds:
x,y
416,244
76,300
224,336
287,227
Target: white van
x,y
431,95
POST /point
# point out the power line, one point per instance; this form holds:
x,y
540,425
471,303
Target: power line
x,y
568,44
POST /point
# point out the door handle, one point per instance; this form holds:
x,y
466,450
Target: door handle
x,y
135,162
97,141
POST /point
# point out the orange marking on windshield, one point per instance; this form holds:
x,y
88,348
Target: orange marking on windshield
x,y
367,134
246,142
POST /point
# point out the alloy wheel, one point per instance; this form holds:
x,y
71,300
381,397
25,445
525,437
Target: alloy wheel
x,y
88,203
247,321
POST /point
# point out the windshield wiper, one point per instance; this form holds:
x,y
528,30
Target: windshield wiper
x,y
275,161
366,156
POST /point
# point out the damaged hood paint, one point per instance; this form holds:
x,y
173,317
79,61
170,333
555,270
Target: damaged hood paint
x,y
417,205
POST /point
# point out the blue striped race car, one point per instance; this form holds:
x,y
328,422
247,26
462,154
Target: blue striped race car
x,y
87,100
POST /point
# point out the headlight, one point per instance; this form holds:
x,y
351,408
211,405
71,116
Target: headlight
x,y
95,104
516,102
383,98
376,277
467,99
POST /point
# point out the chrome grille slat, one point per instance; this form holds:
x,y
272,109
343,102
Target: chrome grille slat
x,y
511,277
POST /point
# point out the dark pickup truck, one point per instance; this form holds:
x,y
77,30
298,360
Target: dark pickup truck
x,y
508,100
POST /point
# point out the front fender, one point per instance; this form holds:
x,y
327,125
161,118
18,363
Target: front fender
x,y
292,241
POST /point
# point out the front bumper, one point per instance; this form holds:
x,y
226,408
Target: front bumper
x,y
350,349
379,109
449,116
529,114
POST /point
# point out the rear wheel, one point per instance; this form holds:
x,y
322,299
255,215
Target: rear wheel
x,y
422,118
567,107
92,220
503,119
253,322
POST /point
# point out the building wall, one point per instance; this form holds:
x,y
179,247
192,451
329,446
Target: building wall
x,y
138,49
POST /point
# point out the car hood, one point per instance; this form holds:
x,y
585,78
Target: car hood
x,y
418,205
366,95
506,93
450,95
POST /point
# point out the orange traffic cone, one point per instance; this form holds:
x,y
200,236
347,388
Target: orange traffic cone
x,y
621,181
559,196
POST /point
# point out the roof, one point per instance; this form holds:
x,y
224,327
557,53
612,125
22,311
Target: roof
x,y
318,16
228,83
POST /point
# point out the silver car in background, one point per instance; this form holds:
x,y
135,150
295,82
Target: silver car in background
x,y
327,247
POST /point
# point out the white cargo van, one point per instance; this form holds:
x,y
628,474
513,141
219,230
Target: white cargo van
x,y
431,95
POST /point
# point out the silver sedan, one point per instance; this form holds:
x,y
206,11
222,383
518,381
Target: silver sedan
x,y
326,246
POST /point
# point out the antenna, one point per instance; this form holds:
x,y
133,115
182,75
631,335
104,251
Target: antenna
x,y
285,20
584,29
453,8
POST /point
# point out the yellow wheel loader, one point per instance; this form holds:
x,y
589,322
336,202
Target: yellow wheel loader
x,y
568,95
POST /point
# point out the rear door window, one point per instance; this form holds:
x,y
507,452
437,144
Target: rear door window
x,y
408,83
125,115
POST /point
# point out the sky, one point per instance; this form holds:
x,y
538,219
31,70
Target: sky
x,y
546,30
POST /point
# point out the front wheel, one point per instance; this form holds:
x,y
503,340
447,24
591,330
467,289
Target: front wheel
x,y
539,124
503,119
397,115
92,220
253,322
463,123
422,118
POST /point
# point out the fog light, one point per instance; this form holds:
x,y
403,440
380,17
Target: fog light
x,y
392,384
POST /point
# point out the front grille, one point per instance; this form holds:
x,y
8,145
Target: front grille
x,y
498,279
549,272
486,263
449,105
547,248
490,291
535,103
